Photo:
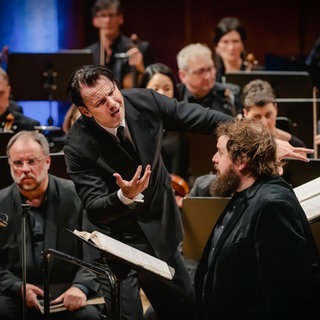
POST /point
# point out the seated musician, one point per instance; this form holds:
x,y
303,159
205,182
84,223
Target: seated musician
x,y
11,118
54,206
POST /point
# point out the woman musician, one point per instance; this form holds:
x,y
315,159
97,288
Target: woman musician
x,y
230,55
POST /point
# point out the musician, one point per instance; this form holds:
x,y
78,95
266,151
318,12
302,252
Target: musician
x,y
259,103
260,260
54,206
126,57
229,39
197,73
11,117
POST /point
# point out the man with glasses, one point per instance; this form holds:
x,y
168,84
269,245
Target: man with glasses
x,y
54,206
126,57
198,76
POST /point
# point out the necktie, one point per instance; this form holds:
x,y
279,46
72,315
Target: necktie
x,y
124,142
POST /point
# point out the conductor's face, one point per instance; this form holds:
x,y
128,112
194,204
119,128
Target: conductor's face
x,y
104,102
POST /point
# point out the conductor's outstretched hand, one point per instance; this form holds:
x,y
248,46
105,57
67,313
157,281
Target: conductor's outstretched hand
x,y
136,185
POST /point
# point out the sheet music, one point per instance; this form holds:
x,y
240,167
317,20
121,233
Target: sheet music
x,y
311,208
128,253
308,190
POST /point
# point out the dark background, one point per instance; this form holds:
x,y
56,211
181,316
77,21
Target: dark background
x,y
279,33
285,30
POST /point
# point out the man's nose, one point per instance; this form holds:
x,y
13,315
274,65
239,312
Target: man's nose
x,y
264,121
215,158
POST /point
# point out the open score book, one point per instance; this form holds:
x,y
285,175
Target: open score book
x,y
127,253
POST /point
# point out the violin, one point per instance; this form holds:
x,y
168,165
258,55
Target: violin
x,y
179,185
251,62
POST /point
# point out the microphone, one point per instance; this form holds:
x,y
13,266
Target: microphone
x,y
3,219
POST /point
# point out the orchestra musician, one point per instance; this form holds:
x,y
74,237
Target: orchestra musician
x,y
230,55
125,56
11,118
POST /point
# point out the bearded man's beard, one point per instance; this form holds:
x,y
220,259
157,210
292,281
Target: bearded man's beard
x,y
224,185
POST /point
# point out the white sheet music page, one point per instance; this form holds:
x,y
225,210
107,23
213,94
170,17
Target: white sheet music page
x,y
128,253
308,190
311,208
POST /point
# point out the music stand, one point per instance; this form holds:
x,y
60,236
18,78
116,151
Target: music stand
x,y
44,76
97,269
297,172
31,73
286,84
199,215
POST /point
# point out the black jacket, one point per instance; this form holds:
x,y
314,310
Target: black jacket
x,y
262,264
93,155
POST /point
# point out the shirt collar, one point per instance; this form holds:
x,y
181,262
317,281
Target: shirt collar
x,y
113,131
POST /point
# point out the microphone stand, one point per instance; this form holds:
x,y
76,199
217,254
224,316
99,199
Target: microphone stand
x,y
25,208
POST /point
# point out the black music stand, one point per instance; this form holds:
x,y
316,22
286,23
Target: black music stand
x,y
99,270
25,209
44,76
286,84
33,75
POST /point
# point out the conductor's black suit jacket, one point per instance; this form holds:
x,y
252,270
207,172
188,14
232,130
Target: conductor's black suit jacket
x,y
93,155
64,211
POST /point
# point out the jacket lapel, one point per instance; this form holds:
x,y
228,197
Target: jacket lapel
x,y
143,134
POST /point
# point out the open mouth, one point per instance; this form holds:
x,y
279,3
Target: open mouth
x,y
115,113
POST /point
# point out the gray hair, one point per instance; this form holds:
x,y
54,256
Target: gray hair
x,y
192,50
35,136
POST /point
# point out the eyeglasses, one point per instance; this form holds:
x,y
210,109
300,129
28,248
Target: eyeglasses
x,y
202,71
32,162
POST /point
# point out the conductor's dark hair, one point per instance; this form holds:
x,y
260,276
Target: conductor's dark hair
x,y
86,76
